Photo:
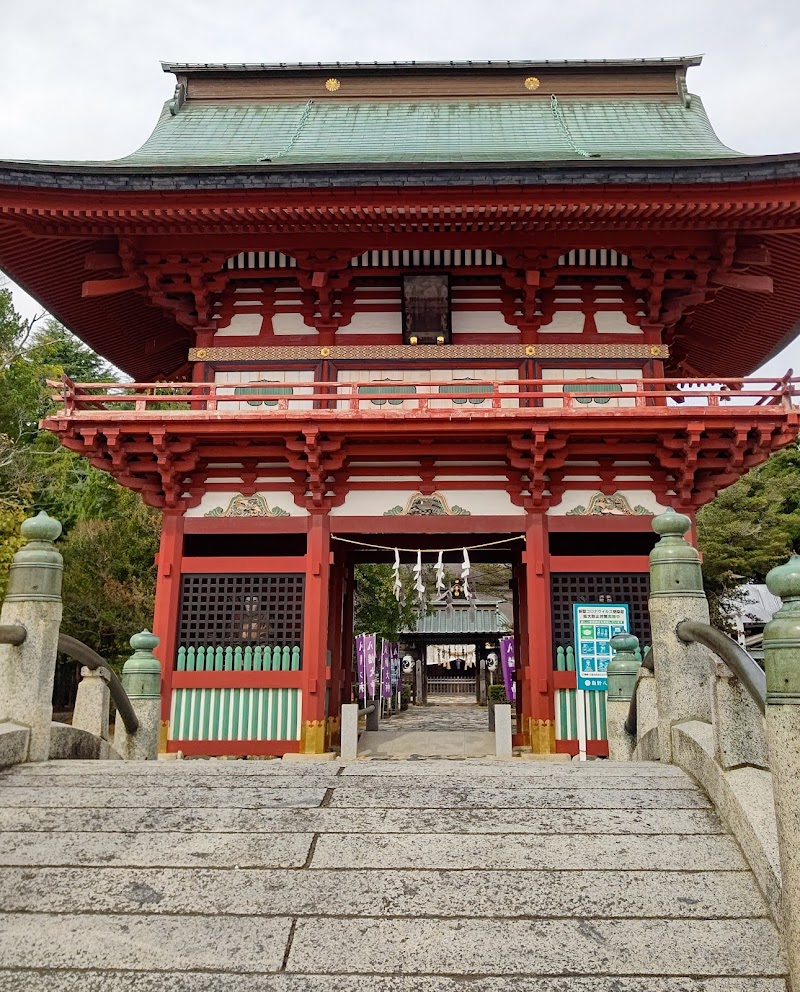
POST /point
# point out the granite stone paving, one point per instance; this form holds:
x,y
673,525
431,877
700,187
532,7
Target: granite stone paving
x,y
434,875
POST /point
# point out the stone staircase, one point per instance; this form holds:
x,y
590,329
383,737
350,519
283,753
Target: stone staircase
x,y
378,876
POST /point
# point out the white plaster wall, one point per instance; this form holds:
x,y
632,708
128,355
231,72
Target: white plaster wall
x,y
581,497
427,380
478,501
565,322
614,322
373,322
480,322
627,376
229,380
281,500
242,325
291,323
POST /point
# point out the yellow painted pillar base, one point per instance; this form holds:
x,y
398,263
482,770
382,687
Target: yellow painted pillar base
x,y
542,736
312,737
163,737
333,731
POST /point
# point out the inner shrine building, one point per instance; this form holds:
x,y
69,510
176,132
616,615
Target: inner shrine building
x,y
508,306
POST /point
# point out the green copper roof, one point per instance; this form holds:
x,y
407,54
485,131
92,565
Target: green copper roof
x,y
340,132
463,619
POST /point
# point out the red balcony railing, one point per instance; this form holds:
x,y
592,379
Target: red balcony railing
x,y
389,399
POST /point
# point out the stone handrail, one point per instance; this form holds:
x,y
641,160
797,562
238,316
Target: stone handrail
x,y
740,663
709,708
84,655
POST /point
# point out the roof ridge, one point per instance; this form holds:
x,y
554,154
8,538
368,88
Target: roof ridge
x,y
484,65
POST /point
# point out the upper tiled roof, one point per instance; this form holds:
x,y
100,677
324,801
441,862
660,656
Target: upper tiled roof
x,y
340,132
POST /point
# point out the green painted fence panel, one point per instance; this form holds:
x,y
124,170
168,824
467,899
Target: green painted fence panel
x,y
238,659
227,664
235,714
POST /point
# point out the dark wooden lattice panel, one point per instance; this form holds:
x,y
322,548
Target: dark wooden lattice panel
x,y
567,589
241,609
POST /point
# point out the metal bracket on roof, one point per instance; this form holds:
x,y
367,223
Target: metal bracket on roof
x,y
559,117
683,90
178,98
297,131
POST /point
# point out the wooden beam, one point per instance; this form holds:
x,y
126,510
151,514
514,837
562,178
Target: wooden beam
x,y
746,281
110,287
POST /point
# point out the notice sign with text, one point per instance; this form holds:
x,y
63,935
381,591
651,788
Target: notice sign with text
x,y
595,625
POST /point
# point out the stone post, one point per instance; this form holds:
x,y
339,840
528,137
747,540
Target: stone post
x,y
682,671
622,671
502,731
348,750
92,702
141,678
739,736
782,663
34,602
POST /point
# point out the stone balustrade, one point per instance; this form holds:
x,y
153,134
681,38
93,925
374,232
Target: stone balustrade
x,y
707,707
31,620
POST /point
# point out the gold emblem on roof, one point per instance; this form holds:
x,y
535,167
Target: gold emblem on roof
x,y
532,83
332,85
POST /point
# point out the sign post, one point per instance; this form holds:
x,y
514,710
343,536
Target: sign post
x,y
595,624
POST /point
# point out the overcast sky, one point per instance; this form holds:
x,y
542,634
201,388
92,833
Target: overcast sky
x,y
80,79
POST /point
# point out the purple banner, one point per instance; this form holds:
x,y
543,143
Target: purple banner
x,y
360,661
386,670
395,660
507,664
370,652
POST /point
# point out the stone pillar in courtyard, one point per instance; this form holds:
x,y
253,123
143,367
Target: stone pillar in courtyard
x,y
141,678
682,671
622,672
34,602
782,663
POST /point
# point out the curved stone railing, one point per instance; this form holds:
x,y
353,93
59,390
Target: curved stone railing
x,y
30,639
708,707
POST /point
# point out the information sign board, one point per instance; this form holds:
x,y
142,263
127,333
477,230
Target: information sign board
x,y
595,625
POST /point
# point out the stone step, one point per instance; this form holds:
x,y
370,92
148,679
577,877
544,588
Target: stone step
x,y
338,946
367,821
541,947
493,893
476,780
558,851
520,766
195,981
380,876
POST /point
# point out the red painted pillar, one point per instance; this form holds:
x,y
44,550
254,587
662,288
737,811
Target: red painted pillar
x,y
168,597
348,606
335,647
538,707
315,634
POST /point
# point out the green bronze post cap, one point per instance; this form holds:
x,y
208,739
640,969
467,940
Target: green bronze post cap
x,y
670,523
41,528
145,642
784,580
624,642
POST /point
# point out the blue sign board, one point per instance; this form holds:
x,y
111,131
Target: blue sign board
x,y
595,625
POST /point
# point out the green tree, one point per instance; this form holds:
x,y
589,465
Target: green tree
x,y
110,536
109,576
750,527
377,611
